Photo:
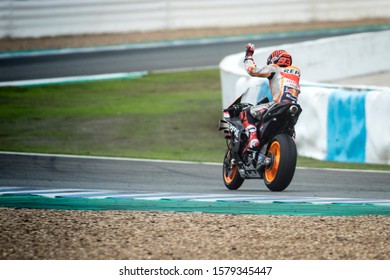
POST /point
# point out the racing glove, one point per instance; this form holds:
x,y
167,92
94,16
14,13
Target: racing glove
x,y
249,50
235,110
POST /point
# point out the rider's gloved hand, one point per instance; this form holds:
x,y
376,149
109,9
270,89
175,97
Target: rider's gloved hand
x,y
235,110
249,50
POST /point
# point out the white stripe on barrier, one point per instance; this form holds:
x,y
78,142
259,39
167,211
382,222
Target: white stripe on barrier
x,y
62,80
311,129
378,127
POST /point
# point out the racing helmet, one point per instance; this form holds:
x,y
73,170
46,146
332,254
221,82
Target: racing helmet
x,y
280,57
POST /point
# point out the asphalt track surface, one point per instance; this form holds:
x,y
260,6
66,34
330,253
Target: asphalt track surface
x,y
187,54
119,174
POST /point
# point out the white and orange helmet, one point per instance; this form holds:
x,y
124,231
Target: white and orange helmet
x,y
280,57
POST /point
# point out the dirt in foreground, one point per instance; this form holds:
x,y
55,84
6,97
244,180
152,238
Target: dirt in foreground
x,y
63,234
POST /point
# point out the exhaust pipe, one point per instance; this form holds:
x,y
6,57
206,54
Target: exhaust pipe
x,y
293,109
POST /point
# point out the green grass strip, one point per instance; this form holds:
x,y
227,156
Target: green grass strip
x,y
295,209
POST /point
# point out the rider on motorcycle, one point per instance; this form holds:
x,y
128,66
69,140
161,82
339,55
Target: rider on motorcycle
x,y
284,84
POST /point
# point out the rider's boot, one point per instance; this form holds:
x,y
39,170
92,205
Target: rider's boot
x,y
250,131
253,142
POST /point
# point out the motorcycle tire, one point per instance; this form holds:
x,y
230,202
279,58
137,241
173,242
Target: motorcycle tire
x,y
283,152
231,176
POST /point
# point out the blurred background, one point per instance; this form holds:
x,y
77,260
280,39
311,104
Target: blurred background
x,y
38,18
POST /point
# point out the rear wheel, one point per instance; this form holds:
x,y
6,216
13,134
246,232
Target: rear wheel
x,y
231,177
283,152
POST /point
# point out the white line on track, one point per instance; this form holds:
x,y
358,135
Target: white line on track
x,y
102,194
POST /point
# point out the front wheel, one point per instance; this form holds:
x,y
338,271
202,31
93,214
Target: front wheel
x,y
283,152
231,177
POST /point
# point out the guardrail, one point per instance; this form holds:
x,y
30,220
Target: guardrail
x,y
344,124
37,18
337,123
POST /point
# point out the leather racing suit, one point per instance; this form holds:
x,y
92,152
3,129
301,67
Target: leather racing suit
x,y
284,84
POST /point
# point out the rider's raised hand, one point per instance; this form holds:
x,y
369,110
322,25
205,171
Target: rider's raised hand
x,y
249,49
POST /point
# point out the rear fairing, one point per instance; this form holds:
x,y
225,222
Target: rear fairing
x,y
278,119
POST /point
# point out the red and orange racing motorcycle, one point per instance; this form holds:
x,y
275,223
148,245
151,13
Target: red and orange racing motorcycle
x,y
275,161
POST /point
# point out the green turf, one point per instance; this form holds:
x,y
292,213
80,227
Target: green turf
x,y
295,209
160,116
164,116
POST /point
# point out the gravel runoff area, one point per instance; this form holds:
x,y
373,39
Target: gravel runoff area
x,y
68,234
63,234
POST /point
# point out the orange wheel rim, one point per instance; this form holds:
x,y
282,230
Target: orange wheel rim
x,y
271,172
229,178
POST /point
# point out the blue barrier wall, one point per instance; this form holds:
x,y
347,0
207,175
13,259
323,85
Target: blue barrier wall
x,y
346,126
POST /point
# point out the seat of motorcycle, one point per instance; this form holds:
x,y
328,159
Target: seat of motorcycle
x,y
263,100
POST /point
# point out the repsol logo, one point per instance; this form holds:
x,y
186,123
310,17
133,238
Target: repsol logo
x,y
234,130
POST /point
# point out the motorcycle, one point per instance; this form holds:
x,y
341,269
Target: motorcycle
x,y
275,160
